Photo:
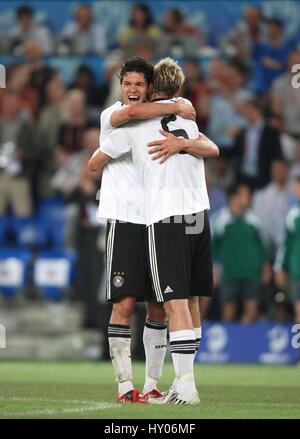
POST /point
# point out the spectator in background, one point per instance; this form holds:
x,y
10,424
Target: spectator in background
x,y
67,178
51,118
225,118
84,80
285,100
240,251
271,204
217,75
87,233
111,87
288,256
195,89
269,56
295,165
68,174
83,36
28,30
217,196
18,82
222,171
179,38
141,36
29,79
70,136
239,42
17,157
40,72
256,147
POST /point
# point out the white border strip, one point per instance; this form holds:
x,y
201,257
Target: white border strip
x,y
109,256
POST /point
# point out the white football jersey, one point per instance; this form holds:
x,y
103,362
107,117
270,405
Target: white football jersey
x,y
122,195
176,187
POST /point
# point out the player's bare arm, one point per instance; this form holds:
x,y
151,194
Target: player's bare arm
x,y
98,161
165,148
150,110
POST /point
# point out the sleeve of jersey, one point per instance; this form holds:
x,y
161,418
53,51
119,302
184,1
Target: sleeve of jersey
x,y
186,101
116,144
105,126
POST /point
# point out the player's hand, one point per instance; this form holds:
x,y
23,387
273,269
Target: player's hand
x,y
280,279
270,63
165,148
185,110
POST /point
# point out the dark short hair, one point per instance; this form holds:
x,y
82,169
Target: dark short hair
x,y
24,10
177,15
83,68
256,103
147,12
235,188
138,65
275,21
232,190
239,66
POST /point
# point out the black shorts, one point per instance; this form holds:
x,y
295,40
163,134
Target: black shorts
x,y
126,261
180,257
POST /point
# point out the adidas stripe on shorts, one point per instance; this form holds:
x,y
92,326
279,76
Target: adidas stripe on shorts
x,y
180,257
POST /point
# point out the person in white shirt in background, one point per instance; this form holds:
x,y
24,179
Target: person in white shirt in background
x,y
28,30
84,36
272,203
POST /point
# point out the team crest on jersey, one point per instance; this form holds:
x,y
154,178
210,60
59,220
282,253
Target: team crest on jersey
x,y
118,281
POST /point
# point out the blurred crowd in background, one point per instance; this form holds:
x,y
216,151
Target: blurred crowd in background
x,y
246,103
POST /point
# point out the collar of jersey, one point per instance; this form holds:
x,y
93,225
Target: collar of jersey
x,y
162,99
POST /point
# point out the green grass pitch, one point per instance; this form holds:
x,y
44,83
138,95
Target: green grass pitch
x,y
87,390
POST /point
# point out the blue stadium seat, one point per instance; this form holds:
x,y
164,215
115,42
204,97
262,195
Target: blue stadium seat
x,y
54,272
52,212
14,270
31,233
51,207
4,227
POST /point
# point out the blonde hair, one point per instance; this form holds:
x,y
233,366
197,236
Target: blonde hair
x,y
168,77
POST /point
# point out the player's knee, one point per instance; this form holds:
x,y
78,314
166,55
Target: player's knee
x,y
156,312
124,308
176,307
194,303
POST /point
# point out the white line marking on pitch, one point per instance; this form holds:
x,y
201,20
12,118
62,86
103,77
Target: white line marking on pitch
x,y
63,401
88,406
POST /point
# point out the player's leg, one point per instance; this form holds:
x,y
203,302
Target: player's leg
x,y
297,311
123,289
250,295
170,271
229,310
205,304
194,307
296,299
155,345
119,338
182,347
20,196
4,191
202,271
250,311
229,293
